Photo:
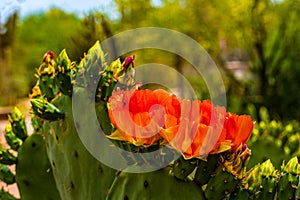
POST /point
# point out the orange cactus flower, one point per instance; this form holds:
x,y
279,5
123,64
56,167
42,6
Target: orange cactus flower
x,y
193,128
197,133
139,115
238,128
204,129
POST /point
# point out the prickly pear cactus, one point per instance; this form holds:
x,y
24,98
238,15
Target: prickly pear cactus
x,y
29,178
34,175
53,163
77,173
289,180
6,175
263,181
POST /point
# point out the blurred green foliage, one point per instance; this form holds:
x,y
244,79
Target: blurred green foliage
x,y
7,41
275,140
262,33
270,36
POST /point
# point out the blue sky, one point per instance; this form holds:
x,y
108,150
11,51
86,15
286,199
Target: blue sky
x,y
26,7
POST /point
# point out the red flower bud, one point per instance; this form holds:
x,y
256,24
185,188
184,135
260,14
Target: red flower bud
x,y
129,60
48,55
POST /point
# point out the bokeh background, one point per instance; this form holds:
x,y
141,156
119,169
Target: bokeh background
x,y
255,44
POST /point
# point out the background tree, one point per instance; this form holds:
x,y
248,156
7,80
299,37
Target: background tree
x,y
94,26
7,39
268,31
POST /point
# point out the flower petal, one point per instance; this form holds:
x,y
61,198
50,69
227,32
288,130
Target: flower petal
x,y
238,128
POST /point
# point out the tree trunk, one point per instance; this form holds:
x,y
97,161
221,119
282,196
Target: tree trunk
x,y
7,93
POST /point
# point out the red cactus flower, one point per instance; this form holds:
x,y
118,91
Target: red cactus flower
x,y
193,128
204,129
139,115
238,128
197,133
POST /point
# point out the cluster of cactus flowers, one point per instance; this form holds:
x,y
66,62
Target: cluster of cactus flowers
x,y
52,162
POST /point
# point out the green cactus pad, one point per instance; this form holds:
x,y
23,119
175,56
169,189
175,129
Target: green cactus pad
x,y
33,172
48,86
90,69
287,187
6,175
77,173
6,157
268,182
12,140
182,168
64,76
239,194
45,110
153,185
18,123
221,184
46,76
289,180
